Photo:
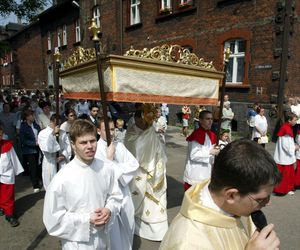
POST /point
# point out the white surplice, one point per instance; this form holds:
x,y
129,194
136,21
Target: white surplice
x,y
199,162
49,146
121,234
149,185
74,193
284,153
10,166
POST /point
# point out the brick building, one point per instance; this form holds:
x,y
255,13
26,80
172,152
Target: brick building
x,y
255,31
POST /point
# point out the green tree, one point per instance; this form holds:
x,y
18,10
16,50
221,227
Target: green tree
x,y
26,9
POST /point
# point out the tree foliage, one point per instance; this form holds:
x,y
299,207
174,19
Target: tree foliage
x,y
26,9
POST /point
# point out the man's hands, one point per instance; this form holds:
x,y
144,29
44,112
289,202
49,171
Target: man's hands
x,y
100,216
265,239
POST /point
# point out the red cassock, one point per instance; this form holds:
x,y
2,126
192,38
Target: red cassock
x,y
287,171
297,172
7,193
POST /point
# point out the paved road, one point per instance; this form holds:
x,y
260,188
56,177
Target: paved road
x,y
31,234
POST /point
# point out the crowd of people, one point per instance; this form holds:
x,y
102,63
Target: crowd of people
x,y
98,195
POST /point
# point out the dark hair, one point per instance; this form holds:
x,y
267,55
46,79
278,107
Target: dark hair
x,y
203,113
53,118
69,111
288,116
244,165
44,104
81,127
258,109
93,105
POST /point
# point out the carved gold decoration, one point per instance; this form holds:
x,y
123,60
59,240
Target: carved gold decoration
x,y
147,212
171,53
162,210
151,197
79,56
57,56
227,54
95,30
138,178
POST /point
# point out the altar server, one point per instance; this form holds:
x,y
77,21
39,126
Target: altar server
x,y
83,198
122,230
9,168
284,155
47,140
201,151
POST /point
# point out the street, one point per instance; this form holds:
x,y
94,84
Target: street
x,y
31,234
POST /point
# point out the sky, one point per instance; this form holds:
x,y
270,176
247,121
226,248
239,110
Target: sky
x,y
12,18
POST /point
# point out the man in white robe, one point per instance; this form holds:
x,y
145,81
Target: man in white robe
x,y
149,186
122,231
47,140
83,198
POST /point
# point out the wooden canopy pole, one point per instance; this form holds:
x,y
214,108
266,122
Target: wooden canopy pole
x,y
57,57
99,58
226,60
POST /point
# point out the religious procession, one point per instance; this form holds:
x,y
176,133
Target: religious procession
x,y
148,147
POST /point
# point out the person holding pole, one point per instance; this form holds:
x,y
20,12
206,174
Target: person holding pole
x,y
122,230
201,151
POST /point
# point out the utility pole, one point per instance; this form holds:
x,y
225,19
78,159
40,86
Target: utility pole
x,y
284,56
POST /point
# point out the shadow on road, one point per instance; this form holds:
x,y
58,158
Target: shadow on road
x,y
175,192
37,240
24,203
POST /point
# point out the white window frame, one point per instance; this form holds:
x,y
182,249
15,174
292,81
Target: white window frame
x,y
58,31
7,80
12,79
77,31
65,41
165,4
185,2
49,42
97,15
135,8
235,55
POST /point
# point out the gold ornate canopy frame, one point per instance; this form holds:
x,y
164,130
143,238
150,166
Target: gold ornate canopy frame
x,y
164,74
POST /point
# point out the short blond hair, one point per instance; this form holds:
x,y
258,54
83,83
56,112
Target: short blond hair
x,y
81,127
120,122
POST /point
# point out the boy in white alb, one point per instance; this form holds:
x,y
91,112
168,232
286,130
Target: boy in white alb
x,y
83,198
10,166
122,231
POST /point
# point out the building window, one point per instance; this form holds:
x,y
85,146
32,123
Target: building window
x,y
49,40
58,37
165,5
236,66
77,30
96,15
185,2
12,79
3,80
8,80
135,12
11,57
65,35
